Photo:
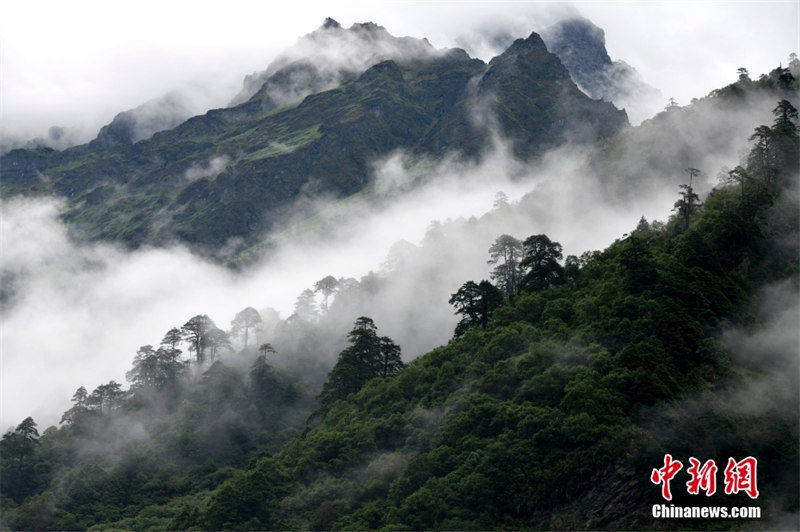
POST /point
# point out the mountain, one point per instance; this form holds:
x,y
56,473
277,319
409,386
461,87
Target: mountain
x,y
143,122
709,134
58,138
324,58
175,187
548,409
581,46
527,96
565,385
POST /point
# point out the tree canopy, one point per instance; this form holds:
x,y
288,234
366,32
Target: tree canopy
x,y
327,285
243,322
540,260
368,356
506,253
475,302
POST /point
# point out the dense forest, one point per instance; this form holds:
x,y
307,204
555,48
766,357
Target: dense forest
x,y
566,381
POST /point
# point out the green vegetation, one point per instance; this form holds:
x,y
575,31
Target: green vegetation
x,y
287,145
549,410
326,144
179,430
689,135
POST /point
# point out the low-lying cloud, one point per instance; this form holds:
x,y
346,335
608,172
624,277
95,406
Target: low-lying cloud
x,y
322,59
75,313
213,168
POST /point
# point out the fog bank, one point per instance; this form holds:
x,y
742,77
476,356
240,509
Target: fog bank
x,y
75,313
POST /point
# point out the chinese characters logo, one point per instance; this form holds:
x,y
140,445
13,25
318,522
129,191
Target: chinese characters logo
x,y
738,476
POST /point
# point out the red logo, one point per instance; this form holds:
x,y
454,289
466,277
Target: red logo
x,y
664,475
703,478
739,476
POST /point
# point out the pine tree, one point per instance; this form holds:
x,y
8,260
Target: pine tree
x,y
245,320
327,285
367,357
195,331
475,302
506,253
540,262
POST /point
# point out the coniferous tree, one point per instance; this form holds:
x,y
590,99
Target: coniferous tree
x,y
327,286
144,373
389,363
217,340
170,366
155,369
17,448
689,202
195,332
540,262
172,339
475,302
761,158
305,307
368,356
79,407
785,78
784,113
672,103
169,356
739,176
506,253
106,397
266,349
245,320
743,73
500,201
786,143
27,429
262,377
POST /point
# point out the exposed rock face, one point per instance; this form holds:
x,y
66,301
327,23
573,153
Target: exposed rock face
x,y
581,46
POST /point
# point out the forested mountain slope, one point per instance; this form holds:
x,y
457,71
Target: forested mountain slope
x,y
700,134
566,383
555,412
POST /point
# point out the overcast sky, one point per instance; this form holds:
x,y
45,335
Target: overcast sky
x,y
78,63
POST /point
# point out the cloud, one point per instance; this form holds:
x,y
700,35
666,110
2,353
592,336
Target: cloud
x,y
76,313
770,349
82,310
214,167
78,67
322,59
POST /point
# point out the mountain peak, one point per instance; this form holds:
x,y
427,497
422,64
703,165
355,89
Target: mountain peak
x,y
322,58
330,23
533,42
580,26
521,54
369,29
578,42
581,47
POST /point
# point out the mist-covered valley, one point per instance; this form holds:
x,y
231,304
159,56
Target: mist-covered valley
x,y
422,243
658,305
